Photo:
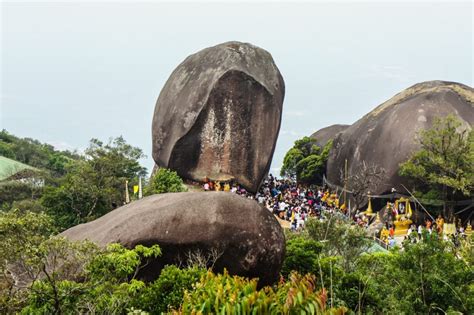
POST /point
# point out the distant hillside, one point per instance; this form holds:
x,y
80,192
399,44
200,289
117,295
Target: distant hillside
x,y
10,169
34,153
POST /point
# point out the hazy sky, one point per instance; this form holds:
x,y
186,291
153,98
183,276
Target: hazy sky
x,y
78,70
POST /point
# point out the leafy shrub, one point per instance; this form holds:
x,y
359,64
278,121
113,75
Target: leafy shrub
x,y
425,277
224,294
306,161
93,185
358,294
78,277
164,181
167,292
339,238
301,256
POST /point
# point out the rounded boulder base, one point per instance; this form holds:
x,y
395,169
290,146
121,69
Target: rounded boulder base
x,y
227,230
218,115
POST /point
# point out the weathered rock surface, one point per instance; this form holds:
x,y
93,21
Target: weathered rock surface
x,y
387,135
218,115
247,237
328,133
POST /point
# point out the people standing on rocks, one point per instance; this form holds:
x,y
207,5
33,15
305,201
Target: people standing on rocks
x,y
296,204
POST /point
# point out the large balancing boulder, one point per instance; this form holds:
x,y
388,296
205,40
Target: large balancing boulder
x,y
225,229
218,115
387,136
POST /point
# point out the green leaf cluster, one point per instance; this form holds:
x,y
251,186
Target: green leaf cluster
x,y
301,256
224,294
94,184
306,161
167,292
164,181
432,276
64,277
445,161
35,153
339,238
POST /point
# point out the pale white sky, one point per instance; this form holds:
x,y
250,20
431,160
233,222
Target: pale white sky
x,y
76,70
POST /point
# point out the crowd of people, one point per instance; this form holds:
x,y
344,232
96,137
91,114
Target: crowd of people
x,y
296,203
287,200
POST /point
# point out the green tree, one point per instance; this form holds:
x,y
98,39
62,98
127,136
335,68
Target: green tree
x,y
301,256
306,161
21,234
78,277
164,181
426,277
45,274
35,153
15,191
167,292
95,184
445,161
339,238
357,293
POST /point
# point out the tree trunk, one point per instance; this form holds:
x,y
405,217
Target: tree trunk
x,y
448,204
445,201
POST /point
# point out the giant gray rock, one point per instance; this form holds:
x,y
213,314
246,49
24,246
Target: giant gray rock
x,y
218,115
387,135
246,238
323,135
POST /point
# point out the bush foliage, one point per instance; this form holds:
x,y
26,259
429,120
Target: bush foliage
x,y
306,161
164,181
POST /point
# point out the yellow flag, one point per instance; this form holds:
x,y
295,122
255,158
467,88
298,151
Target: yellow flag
x,y
135,189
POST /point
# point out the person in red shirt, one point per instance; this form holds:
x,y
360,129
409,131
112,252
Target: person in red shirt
x,y
391,232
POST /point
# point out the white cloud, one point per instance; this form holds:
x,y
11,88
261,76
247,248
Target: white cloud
x,y
63,146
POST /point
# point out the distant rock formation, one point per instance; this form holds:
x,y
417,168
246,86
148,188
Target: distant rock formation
x,y
218,115
245,236
328,133
387,135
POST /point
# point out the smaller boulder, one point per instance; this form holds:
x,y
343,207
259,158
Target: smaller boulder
x,y
236,233
326,134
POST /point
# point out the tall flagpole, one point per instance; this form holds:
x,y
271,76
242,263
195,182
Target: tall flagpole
x,y
140,193
127,196
345,182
